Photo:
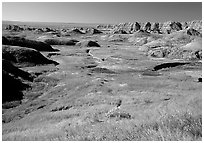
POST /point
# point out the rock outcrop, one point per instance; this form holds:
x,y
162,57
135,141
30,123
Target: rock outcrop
x,y
8,67
21,56
95,31
87,43
105,26
22,42
193,32
117,38
156,27
15,28
120,31
147,26
75,31
165,28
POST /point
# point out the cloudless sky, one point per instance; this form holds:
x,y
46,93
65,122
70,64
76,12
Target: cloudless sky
x,y
101,12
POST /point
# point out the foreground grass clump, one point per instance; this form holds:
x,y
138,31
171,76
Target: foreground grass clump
x,y
169,128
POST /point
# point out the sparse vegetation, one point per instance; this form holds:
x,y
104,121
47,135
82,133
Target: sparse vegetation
x,y
183,127
132,88
61,42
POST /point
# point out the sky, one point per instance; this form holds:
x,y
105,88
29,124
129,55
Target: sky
x,y
101,12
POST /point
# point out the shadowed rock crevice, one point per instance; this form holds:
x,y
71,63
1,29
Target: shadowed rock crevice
x,y
168,65
12,88
193,32
16,72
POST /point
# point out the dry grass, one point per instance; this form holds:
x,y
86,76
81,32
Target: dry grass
x,y
61,42
183,127
155,106
91,126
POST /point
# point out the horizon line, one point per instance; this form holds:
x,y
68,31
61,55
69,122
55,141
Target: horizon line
x,y
92,22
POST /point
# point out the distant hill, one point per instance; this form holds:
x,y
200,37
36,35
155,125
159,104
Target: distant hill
x,y
50,24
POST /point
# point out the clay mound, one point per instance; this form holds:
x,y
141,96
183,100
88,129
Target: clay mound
x,y
190,51
176,26
179,38
159,52
75,31
117,38
71,42
140,41
142,37
22,42
95,31
87,44
21,56
15,28
141,33
120,31
155,44
193,32
175,53
195,45
16,72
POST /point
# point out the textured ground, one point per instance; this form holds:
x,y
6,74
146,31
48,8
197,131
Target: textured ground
x,y
115,92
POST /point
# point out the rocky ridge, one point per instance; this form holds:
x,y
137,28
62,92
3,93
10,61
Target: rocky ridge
x,y
155,27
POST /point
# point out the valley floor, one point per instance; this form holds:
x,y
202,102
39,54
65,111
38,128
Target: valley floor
x,y
111,93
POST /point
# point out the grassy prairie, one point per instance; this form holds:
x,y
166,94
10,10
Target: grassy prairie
x,y
114,92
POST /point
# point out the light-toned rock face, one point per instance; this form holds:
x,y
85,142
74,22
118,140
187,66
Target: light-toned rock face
x,y
136,27
197,25
176,42
147,26
141,41
155,27
193,46
193,32
165,28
